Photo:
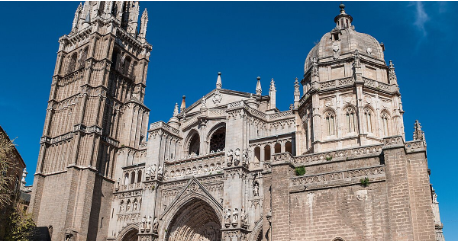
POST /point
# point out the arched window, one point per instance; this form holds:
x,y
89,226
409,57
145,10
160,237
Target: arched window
x,y
350,119
288,147
83,57
217,141
277,148
115,57
385,123
101,7
330,122
139,176
132,177
127,65
267,153
126,179
368,120
256,152
195,143
72,63
338,239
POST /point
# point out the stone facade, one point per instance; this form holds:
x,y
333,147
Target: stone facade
x,y
230,166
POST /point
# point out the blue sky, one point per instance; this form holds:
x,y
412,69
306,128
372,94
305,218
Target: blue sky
x,y
192,41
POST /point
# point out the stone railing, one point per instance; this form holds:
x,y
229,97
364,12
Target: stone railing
x,y
256,112
376,84
336,83
280,115
317,158
163,125
203,165
283,157
130,187
347,175
216,112
415,146
236,104
76,75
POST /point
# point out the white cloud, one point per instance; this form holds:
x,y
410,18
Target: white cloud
x,y
421,18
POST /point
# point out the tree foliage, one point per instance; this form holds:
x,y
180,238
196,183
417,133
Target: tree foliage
x,y
20,226
7,166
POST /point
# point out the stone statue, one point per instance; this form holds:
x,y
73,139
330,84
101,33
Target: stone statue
x,y
148,172
243,218
228,216
235,215
230,157
237,156
245,157
143,225
256,189
153,170
155,225
160,170
148,223
122,206
135,206
128,205
117,185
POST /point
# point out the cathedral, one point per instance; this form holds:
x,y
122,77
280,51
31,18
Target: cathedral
x,y
230,166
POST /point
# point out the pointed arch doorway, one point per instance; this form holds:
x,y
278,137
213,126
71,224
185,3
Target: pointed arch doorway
x,y
194,221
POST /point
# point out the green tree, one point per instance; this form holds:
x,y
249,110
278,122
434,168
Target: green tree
x,y
20,226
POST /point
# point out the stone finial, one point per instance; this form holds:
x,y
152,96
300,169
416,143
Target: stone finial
x,y
392,76
219,80
418,134
296,94
143,24
176,112
272,95
203,102
183,105
343,20
87,20
341,6
258,88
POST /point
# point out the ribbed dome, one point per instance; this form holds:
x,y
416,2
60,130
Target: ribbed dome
x,y
342,40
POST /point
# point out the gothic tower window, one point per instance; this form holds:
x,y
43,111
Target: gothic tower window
x,y
126,179
195,143
139,176
132,177
368,120
385,123
83,57
72,63
330,122
217,142
350,119
114,58
257,154
127,65
288,147
267,151
277,148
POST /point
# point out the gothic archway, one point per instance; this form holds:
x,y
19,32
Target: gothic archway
x,y
129,233
194,221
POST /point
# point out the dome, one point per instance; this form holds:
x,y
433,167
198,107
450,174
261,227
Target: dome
x,y
343,39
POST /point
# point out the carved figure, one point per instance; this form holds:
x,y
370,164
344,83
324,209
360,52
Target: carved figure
x,y
117,185
148,223
228,216
155,225
245,157
128,205
237,156
230,157
256,189
243,218
143,225
235,215
122,206
148,172
135,205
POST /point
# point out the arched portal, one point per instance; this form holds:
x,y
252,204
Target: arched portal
x,y
131,235
217,141
195,221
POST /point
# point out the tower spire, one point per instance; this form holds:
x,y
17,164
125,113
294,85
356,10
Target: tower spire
x,y
296,94
183,105
219,81
77,17
418,134
175,110
143,24
392,76
258,88
272,95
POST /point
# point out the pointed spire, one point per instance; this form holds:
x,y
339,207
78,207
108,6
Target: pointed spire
x,y
183,105
258,88
272,95
77,16
143,24
392,76
296,94
88,18
418,134
175,110
219,80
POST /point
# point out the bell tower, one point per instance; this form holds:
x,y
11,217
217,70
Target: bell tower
x,y
96,106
